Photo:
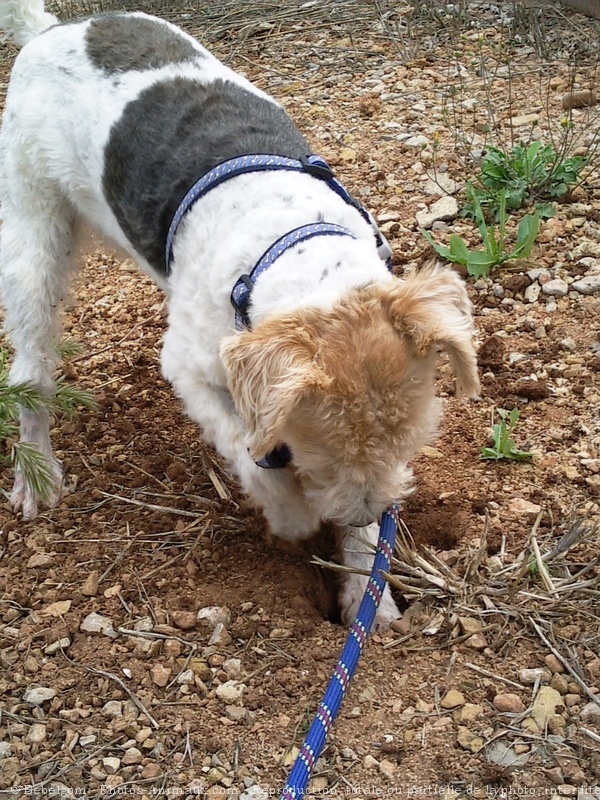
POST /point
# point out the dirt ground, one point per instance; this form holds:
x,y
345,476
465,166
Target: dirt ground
x,y
489,686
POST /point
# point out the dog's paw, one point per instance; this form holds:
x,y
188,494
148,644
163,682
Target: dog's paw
x,y
350,598
24,498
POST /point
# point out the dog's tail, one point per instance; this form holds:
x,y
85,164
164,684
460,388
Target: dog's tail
x,y
21,20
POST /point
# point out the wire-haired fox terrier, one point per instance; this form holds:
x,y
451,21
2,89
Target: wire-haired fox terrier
x,y
289,340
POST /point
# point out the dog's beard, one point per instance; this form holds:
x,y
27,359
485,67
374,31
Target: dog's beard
x,y
343,500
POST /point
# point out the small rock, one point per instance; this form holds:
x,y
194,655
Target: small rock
x,y
468,713
556,288
160,675
423,707
470,625
113,709
184,620
95,623
231,691
84,741
553,663
38,695
216,793
545,705
61,644
236,713
445,209
530,676
590,713
439,183
579,99
519,507
90,587
370,763
233,668
187,676
40,560
111,764
468,740
572,699
416,142
594,667
509,703
144,624
452,699
387,768
532,292
506,755
5,749
540,274
477,641
588,285
151,771
220,636
132,756
555,775
525,119
560,683
36,733
211,616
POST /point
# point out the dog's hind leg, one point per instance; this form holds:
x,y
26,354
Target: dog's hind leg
x,y
36,246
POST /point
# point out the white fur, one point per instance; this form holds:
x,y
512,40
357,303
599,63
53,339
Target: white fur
x,y
51,164
22,20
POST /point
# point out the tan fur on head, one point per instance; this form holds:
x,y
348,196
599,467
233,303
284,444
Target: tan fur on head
x,y
269,370
351,389
433,308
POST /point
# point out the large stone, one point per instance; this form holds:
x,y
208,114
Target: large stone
x,y
443,210
452,699
588,285
231,691
37,695
525,119
96,623
556,288
545,705
508,703
590,713
519,507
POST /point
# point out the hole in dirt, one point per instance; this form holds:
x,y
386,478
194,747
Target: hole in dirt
x,y
438,523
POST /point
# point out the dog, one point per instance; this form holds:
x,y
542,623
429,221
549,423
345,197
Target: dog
x,y
324,362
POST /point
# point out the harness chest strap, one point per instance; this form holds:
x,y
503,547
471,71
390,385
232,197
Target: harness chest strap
x,y
242,290
312,164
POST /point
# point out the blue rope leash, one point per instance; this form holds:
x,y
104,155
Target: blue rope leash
x,y
329,707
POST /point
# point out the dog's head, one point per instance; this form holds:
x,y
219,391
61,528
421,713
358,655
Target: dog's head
x,y
351,390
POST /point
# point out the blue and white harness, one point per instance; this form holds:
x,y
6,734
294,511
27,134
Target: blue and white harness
x,y
242,290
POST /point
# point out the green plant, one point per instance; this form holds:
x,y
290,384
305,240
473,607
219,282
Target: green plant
x,y
24,455
480,262
503,443
526,174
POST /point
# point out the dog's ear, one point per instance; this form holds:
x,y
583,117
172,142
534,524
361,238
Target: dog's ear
x,y
269,370
432,308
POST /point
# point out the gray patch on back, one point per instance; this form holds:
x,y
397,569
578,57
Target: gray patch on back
x,y
122,42
173,133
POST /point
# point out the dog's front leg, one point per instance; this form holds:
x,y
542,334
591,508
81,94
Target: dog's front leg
x,y
276,492
358,551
